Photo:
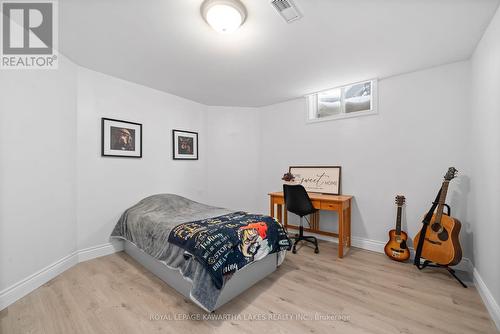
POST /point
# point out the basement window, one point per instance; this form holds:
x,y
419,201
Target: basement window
x,y
352,100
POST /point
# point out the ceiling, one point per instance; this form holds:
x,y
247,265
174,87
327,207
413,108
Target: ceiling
x,y
166,45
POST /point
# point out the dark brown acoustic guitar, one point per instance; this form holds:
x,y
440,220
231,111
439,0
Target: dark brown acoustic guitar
x,y
441,244
397,246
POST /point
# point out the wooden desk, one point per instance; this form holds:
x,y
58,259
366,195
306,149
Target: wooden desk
x,y
340,204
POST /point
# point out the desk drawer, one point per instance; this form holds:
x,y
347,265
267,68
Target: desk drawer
x,y
316,204
330,206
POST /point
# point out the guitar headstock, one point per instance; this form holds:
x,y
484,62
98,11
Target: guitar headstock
x,y
400,200
451,174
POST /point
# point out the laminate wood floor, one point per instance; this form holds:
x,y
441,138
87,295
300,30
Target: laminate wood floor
x,y
310,293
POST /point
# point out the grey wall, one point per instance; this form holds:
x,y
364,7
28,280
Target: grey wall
x,y
420,131
37,169
107,185
233,153
485,158
58,195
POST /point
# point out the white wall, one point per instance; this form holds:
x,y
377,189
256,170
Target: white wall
x,y
233,141
58,194
421,130
107,185
485,180
37,169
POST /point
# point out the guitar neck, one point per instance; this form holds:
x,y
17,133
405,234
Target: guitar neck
x,y
398,220
442,200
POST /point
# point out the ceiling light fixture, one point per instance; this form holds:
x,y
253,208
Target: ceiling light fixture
x,y
224,16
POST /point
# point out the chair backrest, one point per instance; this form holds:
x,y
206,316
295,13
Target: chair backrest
x,y
297,200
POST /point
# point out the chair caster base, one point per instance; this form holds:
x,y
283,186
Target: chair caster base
x,y
309,239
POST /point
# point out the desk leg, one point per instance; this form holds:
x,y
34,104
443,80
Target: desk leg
x,y
271,209
286,217
349,225
280,212
341,233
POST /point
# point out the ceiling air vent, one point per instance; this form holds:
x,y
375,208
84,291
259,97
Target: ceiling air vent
x,y
286,9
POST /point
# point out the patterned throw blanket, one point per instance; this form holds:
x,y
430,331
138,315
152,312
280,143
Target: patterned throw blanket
x,y
227,243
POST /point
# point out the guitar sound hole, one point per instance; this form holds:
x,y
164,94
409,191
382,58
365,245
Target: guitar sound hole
x,y
436,227
403,244
443,236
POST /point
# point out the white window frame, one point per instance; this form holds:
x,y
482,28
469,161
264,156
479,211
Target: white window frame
x,y
312,103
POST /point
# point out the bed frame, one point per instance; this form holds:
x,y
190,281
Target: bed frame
x,y
241,280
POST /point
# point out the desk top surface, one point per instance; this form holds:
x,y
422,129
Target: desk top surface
x,y
318,196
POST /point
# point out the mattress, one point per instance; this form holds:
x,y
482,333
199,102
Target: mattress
x,y
146,226
240,282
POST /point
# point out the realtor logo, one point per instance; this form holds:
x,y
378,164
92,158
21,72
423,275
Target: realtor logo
x,y
29,35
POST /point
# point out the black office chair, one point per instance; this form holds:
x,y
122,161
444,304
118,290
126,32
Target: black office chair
x,y
297,201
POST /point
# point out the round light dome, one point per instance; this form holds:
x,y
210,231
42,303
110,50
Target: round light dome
x,y
224,16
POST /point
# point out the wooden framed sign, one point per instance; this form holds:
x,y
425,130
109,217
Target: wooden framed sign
x,y
319,179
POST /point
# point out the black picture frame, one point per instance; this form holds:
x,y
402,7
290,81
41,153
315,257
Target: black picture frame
x,y
179,156
339,168
109,152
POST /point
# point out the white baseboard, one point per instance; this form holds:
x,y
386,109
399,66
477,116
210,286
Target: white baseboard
x,y
488,299
378,247
17,291
98,251
325,237
32,282
368,244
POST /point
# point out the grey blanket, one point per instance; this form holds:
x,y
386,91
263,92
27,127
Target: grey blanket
x,y
148,224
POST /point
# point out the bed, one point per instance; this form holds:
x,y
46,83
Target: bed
x,y
179,240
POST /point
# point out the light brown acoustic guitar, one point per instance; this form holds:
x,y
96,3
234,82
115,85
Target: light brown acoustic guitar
x,y
441,244
397,247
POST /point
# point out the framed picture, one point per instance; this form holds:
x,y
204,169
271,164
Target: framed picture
x,y
185,145
121,138
319,179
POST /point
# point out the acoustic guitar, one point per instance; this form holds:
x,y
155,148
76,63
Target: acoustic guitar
x,y
441,244
397,246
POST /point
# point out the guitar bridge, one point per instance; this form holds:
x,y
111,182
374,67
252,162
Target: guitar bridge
x,y
433,242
